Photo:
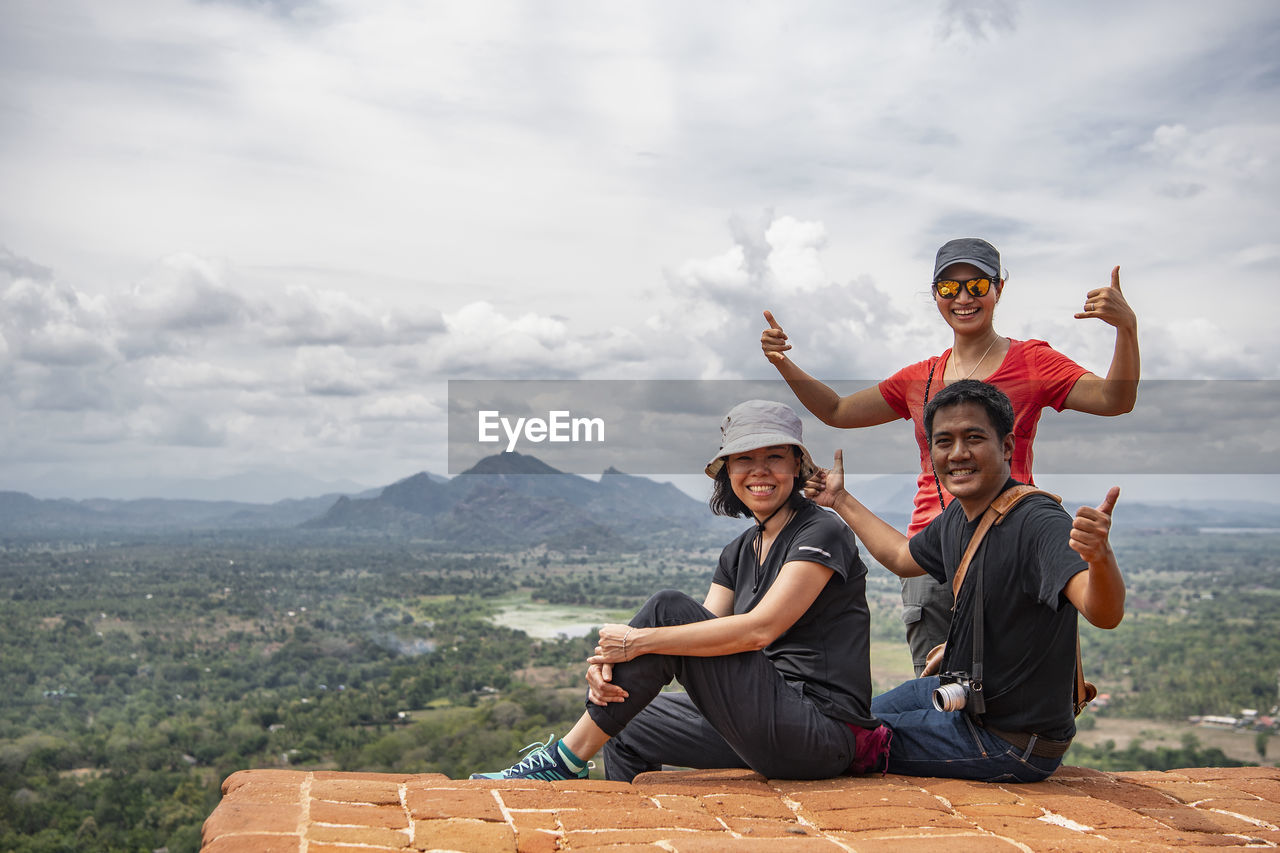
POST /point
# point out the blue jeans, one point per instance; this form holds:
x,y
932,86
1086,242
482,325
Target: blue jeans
x,y
928,742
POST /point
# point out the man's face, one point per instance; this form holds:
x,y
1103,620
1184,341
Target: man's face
x,y
971,461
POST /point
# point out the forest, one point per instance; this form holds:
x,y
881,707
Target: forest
x,y
141,673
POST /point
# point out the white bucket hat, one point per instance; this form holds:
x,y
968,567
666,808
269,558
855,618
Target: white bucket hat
x,y
760,423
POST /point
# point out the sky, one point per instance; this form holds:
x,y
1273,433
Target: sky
x,y
251,242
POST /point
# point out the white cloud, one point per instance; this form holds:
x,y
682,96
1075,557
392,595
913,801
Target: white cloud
x,y
292,221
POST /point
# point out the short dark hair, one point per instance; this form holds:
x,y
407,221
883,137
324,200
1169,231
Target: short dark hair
x,y
725,502
989,397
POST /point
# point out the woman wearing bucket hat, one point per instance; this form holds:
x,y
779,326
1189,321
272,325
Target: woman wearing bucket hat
x,y
967,284
775,661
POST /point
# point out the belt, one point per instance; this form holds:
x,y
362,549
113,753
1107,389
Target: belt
x,y
1041,747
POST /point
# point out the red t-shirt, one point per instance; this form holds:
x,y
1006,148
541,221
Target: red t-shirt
x,y
1033,374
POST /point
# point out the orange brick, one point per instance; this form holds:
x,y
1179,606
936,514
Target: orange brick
x,y
1267,789
978,811
536,832
903,797
567,800
397,839
358,776
251,843
1092,812
358,814
622,839
1234,774
283,778
1171,837
590,785
883,817
754,827
698,782
678,802
704,844
746,805
231,817
1256,809
469,835
1194,792
356,791
960,792
934,844
1191,819
1029,831
323,847
650,818
429,803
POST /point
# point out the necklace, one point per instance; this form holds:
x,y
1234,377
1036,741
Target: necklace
x,y
980,358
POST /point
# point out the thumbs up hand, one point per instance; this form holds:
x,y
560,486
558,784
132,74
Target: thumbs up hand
x,y
1091,528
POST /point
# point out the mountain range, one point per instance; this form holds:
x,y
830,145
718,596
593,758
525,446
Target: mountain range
x,y
508,500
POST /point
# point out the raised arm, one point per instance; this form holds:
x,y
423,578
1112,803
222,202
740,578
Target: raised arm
x,y
1097,592
1116,394
889,547
797,587
860,409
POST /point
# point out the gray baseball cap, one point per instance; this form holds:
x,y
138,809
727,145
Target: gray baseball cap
x,y
968,250
756,424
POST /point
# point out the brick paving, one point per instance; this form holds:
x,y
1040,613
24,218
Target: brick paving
x,y
285,811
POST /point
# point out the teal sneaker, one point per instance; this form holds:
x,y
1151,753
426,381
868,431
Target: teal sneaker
x,y
544,762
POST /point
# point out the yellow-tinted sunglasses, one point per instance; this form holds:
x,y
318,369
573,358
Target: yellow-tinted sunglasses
x,y
951,289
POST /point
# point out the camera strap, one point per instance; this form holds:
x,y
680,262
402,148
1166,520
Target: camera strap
x,y
977,704
1084,691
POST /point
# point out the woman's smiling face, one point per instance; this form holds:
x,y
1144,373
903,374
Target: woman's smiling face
x,y
967,314
763,479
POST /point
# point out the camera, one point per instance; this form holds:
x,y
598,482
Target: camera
x,y
956,691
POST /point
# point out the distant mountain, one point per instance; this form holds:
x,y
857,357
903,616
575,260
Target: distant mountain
x,y
22,514
514,500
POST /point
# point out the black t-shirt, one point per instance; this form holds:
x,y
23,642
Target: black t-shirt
x,y
1029,625
828,648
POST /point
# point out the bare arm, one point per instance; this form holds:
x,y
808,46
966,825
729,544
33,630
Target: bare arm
x,y
889,547
798,585
601,689
860,409
1097,592
719,600
1116,394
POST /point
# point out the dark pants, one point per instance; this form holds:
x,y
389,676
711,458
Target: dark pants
x,y
738,711
926,609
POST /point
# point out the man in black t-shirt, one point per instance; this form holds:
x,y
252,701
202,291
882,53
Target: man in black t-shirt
x,y
1038,569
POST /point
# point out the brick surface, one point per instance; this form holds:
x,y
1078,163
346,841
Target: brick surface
x,y
469,835
1257,809
356,791
358,814
288,811
429,803
746,805
397,839
1190,819
252,843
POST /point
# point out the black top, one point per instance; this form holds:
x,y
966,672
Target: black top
x,y
1029,625
828,648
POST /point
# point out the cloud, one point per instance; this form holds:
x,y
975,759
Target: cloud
x,y
48,323
185,293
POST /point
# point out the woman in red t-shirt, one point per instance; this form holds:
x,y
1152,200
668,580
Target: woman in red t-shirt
x,y
967,285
